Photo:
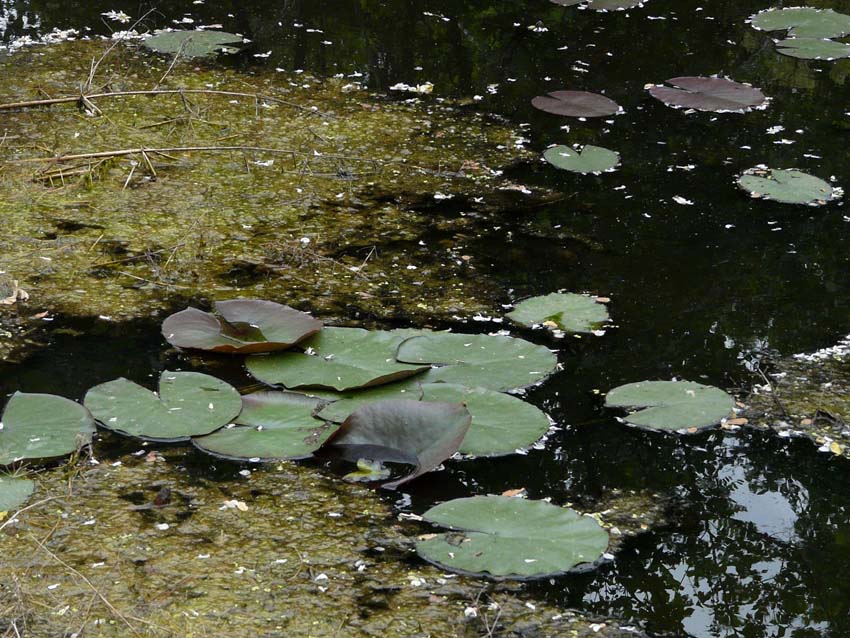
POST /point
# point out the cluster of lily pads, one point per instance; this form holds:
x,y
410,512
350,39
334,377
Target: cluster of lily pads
x,y
810,34
405,396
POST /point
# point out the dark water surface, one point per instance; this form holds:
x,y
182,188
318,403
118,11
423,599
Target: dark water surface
x,y
761,546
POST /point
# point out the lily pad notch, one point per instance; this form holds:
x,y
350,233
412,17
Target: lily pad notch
x,y
810,31
586,160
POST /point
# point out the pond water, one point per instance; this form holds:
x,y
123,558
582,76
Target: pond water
x,y
761,534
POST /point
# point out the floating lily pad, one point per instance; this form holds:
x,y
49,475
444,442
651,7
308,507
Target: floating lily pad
x,y
568,312
501,424
43,426
242,326
803,22
272,426
590,159
14,492
189,404
787,186
494,362
192,44
672,405
413,432
507,537
576,104
719,95
813,49
603,5
340,359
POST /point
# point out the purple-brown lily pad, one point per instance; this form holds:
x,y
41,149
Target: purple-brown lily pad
x,y
576,104
719,95
240,326
403,431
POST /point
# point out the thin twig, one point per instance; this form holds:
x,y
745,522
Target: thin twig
x,y
105,600
114,94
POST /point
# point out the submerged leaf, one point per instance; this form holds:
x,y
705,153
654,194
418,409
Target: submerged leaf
x,y
569,312
576,104
672,405
189,404
508,537
719,95
14,492
43,426
590,159
788,186
192,44
495,362
242,326
803,22
272,426
367,472
401,431
501,424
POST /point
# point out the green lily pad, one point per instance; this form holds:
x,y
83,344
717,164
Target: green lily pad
x,y
507,537
402,431
788,186
501,424
14,492
189,404
590,159
715,94
272,426
494,362
192,44
813,49
339,359
567,312
43,426
241,326
672,405
803,22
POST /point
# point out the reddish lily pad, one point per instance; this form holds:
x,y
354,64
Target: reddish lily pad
x,y
403,431
576,104
719,95
240,326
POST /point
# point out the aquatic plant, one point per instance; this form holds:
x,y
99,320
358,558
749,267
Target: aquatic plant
x,y
716,94
192,44
584,160
561,311
671,405
576,104
505,537
788,186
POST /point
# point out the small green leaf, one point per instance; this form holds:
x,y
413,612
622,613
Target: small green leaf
x,y
43,426
803,22
568,312
272,426
192,44
189,404
788,186
671,405
813,49
14,492
590,159
507,537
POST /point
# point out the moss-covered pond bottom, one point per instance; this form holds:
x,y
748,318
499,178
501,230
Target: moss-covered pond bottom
x,y
159,543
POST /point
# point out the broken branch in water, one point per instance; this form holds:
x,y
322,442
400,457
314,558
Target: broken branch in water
x,y
86,99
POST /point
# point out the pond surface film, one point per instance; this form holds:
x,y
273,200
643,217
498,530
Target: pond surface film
x,y
759,540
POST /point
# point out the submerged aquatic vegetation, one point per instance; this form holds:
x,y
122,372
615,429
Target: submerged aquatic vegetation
x,y
345,179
